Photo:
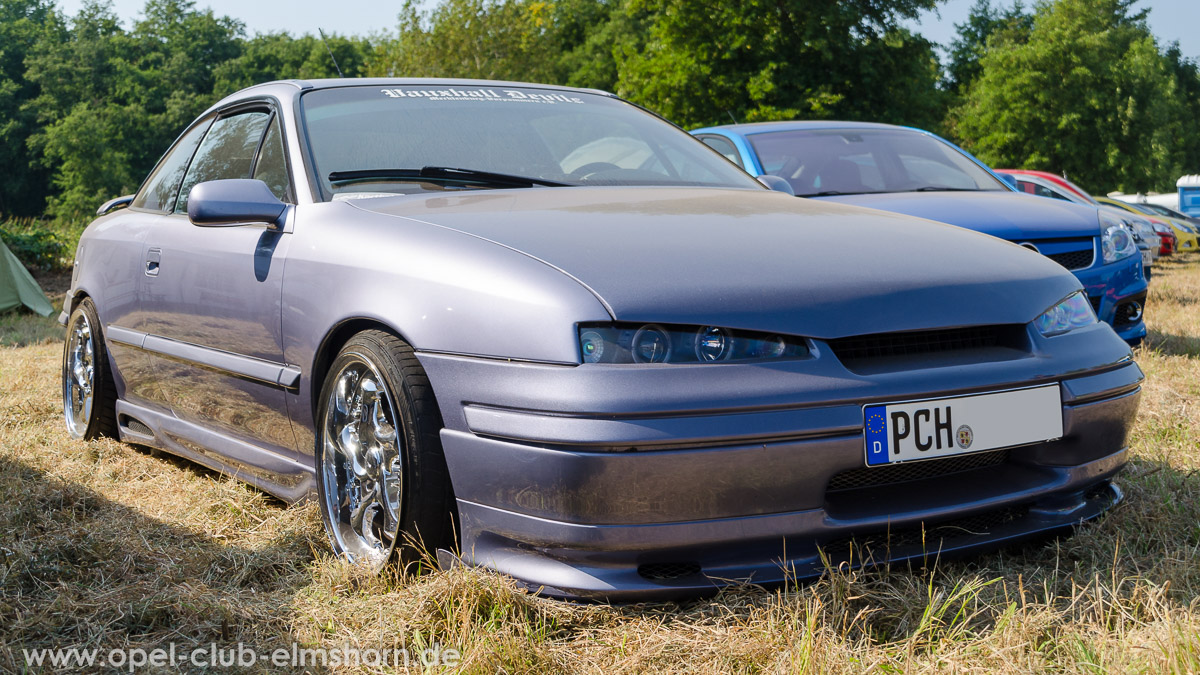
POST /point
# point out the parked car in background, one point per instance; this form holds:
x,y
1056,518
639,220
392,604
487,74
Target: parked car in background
x,y
914,172
1061,184
1167,234
1159,209
1186,237
1031,182
442,309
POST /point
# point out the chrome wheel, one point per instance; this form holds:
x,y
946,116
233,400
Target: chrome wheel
x,y
361,465
79,375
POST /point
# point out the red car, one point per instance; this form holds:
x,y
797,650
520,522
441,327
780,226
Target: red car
x,y
1054,178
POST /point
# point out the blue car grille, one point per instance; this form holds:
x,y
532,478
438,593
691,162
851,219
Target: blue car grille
x,y
1074,260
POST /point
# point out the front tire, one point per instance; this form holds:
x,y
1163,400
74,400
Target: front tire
x,y
89,395
381,475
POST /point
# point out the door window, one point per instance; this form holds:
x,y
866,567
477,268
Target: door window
x,y
159,190
227,152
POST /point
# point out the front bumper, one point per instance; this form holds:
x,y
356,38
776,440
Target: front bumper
x,y
1110,288
678,479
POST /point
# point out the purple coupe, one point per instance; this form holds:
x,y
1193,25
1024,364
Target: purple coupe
x,y
541,330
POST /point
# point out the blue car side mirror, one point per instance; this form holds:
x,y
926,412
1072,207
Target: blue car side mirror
x,y
232,202
777,184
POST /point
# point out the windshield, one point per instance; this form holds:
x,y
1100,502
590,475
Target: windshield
x,y
418,138
857,161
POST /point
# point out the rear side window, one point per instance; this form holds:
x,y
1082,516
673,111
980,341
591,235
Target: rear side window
x,y
227,152
159,190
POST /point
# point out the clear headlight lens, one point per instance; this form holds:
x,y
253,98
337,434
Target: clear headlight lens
x,y
654,343
1116,239
1067,315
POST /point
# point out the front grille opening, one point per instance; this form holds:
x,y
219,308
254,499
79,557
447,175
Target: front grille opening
x,y
863,477
867,348
669,571
927,538
1074,260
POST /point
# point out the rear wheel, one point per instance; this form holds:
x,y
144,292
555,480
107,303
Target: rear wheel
x,y
89,395
382,478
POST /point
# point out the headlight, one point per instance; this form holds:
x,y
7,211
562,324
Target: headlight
x,y
654,343
1067,315
1116,239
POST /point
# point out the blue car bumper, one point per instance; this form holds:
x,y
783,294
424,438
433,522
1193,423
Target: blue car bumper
x,y
1118,294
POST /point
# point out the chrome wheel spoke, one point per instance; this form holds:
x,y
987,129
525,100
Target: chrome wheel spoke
x,y
362,465
79,373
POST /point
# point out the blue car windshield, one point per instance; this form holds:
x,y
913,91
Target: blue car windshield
x,y
822,162
434,137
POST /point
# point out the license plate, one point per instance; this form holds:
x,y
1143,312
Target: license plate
x,y
1147,258
916,430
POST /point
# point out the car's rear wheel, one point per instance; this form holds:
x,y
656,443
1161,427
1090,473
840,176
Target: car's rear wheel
x,y
382,478
89,395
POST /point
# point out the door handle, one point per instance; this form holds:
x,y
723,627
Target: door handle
x,y
153,258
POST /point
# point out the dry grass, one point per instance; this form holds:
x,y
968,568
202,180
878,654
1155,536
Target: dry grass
x,y
106,545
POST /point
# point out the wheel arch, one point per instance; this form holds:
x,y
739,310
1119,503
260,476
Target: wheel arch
x,y
332,343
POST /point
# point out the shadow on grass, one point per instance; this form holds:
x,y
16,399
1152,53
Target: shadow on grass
x,y
1173,345
82,571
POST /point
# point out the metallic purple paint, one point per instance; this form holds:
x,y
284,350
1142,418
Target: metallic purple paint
x,y
592,480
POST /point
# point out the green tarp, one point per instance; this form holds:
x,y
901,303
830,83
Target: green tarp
x,y
18,288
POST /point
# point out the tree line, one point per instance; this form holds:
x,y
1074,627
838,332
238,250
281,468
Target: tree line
x,y
88,104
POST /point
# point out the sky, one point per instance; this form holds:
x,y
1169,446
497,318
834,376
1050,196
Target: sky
x,y
1170,20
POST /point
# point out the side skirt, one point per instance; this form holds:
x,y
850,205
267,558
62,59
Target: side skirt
x,y
265,470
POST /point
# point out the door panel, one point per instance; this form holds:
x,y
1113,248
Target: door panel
x,y
217,297
211,302
111,259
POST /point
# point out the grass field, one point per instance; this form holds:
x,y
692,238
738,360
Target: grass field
x,y
104,545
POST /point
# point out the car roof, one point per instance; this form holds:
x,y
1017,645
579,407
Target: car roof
x,y
292,89
334,83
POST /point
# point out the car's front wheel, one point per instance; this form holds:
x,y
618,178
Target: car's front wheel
x,y
382,478
89,395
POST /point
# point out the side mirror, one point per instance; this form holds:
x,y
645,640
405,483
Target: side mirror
x,y
232,202
777,184
1010,179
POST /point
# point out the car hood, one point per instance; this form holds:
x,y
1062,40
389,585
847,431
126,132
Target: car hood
x,y
754,260
1008,215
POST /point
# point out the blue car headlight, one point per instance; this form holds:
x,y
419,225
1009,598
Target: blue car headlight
x,y
1073,312
1116,240
655,343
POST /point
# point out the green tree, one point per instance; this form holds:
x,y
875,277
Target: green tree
x,y
1088,93
279,56
704,62
110,100
487,39
970,44
23,24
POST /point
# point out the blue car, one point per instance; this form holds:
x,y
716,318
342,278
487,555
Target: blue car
x,y
914,172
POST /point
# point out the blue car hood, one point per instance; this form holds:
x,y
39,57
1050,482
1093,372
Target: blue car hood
x,y
1008,215
752,259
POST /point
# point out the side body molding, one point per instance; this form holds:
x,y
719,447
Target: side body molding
x,y
268,372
